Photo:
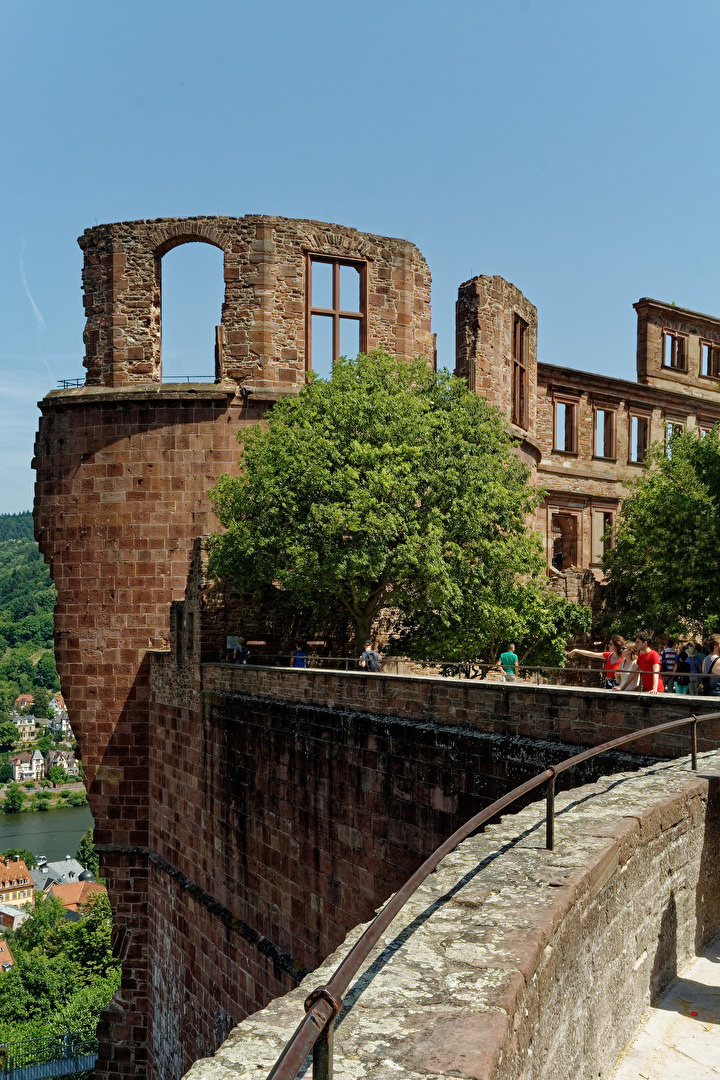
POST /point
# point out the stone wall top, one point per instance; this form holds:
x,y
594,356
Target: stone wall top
x,y
511,961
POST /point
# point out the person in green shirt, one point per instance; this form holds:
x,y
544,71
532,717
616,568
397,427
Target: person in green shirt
x,y
508,663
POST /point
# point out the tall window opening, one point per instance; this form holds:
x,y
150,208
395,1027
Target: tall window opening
x,y
566,426
673,428
710,360
192,292
564,540
604,433
337,306
519,372
673,351
602,533
639,438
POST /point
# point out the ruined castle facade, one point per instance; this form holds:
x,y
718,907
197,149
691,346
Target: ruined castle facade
x,y
124,464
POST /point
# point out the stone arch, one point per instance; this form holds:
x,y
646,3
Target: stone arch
x,y
175,238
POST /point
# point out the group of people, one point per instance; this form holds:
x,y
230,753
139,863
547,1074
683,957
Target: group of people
x,y
691,668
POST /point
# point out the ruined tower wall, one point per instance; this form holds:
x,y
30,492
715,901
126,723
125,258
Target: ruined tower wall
x,y
263,336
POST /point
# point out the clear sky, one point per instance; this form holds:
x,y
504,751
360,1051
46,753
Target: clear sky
x,y
570,147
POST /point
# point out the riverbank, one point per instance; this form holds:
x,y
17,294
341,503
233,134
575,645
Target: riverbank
x,y
39,799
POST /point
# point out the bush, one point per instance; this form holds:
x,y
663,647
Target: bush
x,y
65,794
77,798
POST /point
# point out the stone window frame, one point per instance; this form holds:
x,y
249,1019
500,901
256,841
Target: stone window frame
x,y
678,350
672,426
571,428
567,512
336,313
609,433
713,357
598,534
646,417
519,374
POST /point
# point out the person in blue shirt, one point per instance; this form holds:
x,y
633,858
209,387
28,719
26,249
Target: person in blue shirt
x,y
298,657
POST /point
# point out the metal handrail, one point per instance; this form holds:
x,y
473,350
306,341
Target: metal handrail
x,y
315,1031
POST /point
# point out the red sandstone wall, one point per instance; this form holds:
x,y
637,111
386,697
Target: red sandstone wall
x,y
121,494
262,336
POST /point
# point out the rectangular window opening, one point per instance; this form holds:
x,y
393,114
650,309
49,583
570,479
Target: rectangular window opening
x,y
673,428
566,426
673,351
639,438
710,360
337,306
520,372
604,433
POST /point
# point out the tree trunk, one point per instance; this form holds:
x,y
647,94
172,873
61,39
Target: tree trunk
x,y
363,623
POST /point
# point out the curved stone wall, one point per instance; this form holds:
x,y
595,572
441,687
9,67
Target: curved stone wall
x,y
515,962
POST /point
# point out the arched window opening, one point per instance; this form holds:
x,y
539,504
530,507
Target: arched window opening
x,y
192,290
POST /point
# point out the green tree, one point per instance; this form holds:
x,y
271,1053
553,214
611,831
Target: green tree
x,y
388,486
86,855
57,774
20,853
667,540
14,799
8,735
90,939
46,675
41,702
46,929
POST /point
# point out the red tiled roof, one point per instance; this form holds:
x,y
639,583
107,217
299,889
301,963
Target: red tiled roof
x,y
13,872
75,893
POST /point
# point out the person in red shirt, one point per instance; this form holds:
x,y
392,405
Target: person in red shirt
x,y
612,657
648,662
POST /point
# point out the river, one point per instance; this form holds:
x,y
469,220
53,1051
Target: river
x,y
55,833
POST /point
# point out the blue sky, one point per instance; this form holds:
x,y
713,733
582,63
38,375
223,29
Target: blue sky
x,y
570,147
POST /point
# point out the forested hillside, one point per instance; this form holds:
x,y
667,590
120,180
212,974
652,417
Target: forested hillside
x,y
27,599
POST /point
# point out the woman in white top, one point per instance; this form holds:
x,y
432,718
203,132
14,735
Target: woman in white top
x,y
628,672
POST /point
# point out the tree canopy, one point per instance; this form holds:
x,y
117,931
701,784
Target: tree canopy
x,y
390,485
667,540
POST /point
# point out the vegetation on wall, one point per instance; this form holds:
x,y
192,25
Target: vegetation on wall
x,y
393,486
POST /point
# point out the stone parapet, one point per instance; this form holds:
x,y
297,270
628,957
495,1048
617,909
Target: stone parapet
x,y
512,962
555,713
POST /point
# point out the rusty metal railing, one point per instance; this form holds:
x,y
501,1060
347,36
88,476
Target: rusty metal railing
x,y
315,1031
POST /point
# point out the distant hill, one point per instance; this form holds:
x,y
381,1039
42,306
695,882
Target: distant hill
x,y
16,526
27,601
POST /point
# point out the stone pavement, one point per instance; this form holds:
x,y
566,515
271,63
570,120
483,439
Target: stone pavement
x,y
680,1037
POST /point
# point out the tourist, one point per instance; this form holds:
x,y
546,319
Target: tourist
x,y
711,667
648,662
668,663
628,674
369,659
509,663
695,667
612,656
298,657
241,653
683,668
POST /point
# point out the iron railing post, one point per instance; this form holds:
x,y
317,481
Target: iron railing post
x,y
693,743
550,814
323,1052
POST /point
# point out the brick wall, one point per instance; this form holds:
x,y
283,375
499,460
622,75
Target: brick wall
x,y
547,713
294,819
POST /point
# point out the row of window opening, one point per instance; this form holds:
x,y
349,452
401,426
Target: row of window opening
x,y
675,354
605,434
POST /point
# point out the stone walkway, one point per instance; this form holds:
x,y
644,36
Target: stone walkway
x,y
680,1038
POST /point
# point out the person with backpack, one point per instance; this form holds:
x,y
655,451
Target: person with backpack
x,y
711,668
369,659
